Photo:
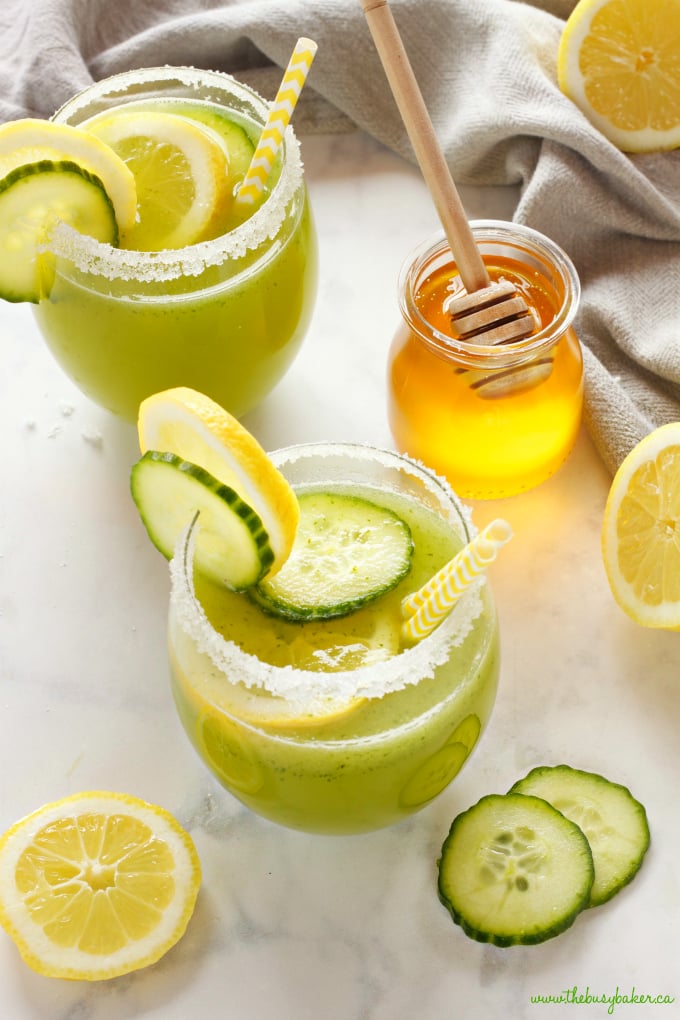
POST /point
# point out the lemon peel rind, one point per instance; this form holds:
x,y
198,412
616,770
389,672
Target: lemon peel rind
x,y
667,615
37,950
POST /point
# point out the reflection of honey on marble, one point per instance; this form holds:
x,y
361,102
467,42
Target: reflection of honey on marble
x,y
497,420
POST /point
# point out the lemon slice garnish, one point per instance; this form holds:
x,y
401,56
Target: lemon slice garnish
x,y
319,653
96,885
192,426
272,713
181,173
619,61
641,531
30,140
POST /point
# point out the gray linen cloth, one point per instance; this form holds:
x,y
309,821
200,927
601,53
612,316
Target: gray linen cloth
x,y
487,70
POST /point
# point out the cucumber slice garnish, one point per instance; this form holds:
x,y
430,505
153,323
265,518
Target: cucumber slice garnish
x,y
232,545
235,139
240,146
444,765
614,822
347,551
434,775
33,198
514,870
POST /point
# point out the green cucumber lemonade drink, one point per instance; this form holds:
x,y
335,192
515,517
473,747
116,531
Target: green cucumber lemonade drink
x,y
336,725
226,313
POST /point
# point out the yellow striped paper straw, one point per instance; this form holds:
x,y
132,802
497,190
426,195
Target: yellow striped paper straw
x,y
428,606
279,115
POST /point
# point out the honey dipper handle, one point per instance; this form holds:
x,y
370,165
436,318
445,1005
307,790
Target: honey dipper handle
x,y
428,152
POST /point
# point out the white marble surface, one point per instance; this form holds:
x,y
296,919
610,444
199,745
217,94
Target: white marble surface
x,y
289,926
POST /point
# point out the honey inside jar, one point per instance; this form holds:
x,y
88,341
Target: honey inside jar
x,y
438,289
494,420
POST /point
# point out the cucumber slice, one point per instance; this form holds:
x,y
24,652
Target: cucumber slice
x,y
235,139
232,545
614,823
434,775
513,870
444,765
240,146
34,197
347,551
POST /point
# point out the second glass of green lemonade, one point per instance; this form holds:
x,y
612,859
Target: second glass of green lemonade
x,y
225,316
337,725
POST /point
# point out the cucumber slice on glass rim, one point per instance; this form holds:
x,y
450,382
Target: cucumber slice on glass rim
x,y
232,546
33,198
514,870
235,140
613,821
347,552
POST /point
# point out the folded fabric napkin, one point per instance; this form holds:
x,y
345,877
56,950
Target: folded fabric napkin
x,y
487,70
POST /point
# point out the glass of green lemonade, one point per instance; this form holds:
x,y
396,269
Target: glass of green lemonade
x,y
338,725
225,315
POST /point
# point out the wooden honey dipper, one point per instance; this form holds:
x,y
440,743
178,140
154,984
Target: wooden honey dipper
x,y
489,313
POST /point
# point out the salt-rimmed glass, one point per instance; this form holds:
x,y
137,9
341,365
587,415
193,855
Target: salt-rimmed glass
x,y
225,316
424,711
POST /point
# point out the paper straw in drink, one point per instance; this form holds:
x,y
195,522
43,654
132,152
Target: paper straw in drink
x,y
279,115
428,606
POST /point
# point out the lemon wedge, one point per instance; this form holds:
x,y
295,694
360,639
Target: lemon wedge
x,y
31,141
641,531
96,885
619,61
181,173
190,425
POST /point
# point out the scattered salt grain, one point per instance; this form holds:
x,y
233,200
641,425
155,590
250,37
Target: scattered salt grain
x,y
93,437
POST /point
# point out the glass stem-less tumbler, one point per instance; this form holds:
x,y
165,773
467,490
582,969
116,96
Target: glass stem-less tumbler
x,y
225,316
336,725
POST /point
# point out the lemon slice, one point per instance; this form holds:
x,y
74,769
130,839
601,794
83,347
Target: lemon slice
x,y
96,885
318,652
181,173
273,713
619,61
641,531
196,429
28,141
